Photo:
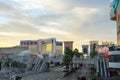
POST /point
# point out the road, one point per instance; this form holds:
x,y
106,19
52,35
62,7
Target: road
x,y
53,74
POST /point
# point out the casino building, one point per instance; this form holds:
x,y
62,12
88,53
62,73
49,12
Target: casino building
x,y
40,46
49,45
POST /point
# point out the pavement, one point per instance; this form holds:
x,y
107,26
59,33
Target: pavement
x,y
55,73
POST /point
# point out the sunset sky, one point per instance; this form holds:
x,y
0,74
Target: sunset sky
x,y
76,20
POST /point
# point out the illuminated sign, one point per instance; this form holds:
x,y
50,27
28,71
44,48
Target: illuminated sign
x,y
49,47
68,44
107,43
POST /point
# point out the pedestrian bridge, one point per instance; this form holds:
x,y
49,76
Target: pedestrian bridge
x,y
85,61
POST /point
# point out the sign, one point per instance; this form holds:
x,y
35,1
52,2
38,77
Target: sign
x,y
49,47
115,5
106,43
68,44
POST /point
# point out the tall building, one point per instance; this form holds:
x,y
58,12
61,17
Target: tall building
x,y
85,49
115,16
40,46
93,46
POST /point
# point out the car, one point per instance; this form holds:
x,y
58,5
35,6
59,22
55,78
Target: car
x,y
64,68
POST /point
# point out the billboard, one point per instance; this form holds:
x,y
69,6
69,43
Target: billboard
x,y
48,45
107,43
85,49
115,5
68,44
113,9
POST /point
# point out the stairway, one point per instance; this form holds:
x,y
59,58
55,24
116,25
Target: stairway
x,y
37,65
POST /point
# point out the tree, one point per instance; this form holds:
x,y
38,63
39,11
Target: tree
x,y
17,64
77,53
6,64
68,56
66,59
94,54
68,51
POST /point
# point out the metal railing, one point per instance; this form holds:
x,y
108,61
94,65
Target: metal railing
x,y
108,78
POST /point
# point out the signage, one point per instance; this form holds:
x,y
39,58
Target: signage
x,y
115,5
49,47
68,44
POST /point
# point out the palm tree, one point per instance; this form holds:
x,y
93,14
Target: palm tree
x,y
94,54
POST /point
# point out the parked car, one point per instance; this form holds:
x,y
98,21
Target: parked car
x,y
64,68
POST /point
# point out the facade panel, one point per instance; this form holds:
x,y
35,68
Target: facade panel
x,y
59,47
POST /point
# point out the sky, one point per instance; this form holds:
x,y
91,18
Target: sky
x,y
66,20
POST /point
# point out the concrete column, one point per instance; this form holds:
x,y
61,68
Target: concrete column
x,y
54,45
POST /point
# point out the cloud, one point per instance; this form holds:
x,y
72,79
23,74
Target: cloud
x,y
14,34
75,20
5,7
59,6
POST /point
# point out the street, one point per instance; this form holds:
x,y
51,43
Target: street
x,y
54,74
